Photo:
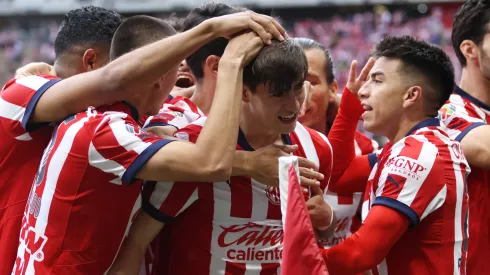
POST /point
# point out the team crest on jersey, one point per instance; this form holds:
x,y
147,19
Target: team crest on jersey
x,y
273,195
446,112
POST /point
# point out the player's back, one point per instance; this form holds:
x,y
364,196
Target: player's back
x,y
461,114
21,153
80,207
423,177
238,221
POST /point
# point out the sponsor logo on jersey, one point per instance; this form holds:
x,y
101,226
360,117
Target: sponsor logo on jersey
x,y
251,242
405,167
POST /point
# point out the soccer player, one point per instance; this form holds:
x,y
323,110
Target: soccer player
x,y
467,114
239,220
324,92
111,142
82,44
415,204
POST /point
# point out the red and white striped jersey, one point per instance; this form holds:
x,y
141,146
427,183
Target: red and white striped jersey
x,y
178,112
231,227
346,205
21,149
461,114
423,176
85,193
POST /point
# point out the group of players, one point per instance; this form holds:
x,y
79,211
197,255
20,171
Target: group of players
x,y
156,179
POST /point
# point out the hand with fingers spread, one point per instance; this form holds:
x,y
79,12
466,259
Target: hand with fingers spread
x,y
35,68
264,26
321,213
243,48
355,83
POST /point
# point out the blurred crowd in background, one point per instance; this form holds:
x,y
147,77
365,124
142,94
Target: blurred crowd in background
x,y
347,34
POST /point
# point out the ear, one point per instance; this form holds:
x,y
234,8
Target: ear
x,y
412,96
211,65
246,94
89,59
470,51
332,91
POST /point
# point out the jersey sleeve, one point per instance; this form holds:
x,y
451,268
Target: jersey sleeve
x,y
166,200
364,145
325,156
179,113
18,100
458,120
191,132
412,180
119,147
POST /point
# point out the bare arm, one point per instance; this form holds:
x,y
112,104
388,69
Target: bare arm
x,y
148,64
211,157
130,257
476,147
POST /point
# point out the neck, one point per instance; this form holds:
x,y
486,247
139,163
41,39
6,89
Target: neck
x,y
202,97
405,124
257,135
66,67
475,84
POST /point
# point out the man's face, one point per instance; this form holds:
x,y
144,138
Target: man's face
x,y
276,114
321,92
185,78
382,97
484,58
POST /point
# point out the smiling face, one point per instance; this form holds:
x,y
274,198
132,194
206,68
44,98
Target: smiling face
x,y
277,114
382,97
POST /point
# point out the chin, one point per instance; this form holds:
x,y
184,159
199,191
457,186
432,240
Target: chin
x,y
371,127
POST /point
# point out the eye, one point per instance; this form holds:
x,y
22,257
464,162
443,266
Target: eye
x,y
377,81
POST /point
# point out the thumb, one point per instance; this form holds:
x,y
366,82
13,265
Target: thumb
x,y
316,190
286,148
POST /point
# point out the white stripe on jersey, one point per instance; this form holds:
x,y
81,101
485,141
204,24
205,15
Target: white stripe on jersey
x,y
52,174
426,158
11,111
357,149
160,194
259,205
436,202
460,182
124,137
331,157
395,151
96,160
221,212
307,143
24,137
32,82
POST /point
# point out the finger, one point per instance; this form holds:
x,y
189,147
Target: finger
x,y
316,190
308,182
307,163
311,174
267,24
352,71
260,31
278,26
286,148
367,68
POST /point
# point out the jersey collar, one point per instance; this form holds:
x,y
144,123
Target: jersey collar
x,y
242,141
425,123
132,111
474,100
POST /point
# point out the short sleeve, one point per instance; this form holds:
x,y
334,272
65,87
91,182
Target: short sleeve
x,y
191,132
412,180
118,146
458,120
166,200
178,115
18,101
325,156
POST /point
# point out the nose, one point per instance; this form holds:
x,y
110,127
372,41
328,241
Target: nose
x,y
364,91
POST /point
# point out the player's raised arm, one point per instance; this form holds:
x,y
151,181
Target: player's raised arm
x,y
211,158
117,80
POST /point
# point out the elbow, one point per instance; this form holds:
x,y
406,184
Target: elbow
x,y
219,172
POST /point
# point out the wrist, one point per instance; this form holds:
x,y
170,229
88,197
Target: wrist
x,y
242,164
350,105
231,63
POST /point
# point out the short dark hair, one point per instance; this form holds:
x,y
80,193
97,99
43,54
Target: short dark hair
x,y
175,21
87,26
307,43
138,31
281,65
216,47
421,60
470,23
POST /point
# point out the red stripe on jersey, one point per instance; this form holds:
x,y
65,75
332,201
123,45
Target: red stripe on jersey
x,y
179,194
241,197
274,209
235,268
270,269
364,143
345,199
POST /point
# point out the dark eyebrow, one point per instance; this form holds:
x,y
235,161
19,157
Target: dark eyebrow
x,y
375,74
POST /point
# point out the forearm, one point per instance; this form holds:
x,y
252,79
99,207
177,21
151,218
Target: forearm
x,y
342,134
148,64
241,164
223,117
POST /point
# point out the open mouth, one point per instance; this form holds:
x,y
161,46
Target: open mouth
x,y
184,80
287,119
367,109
